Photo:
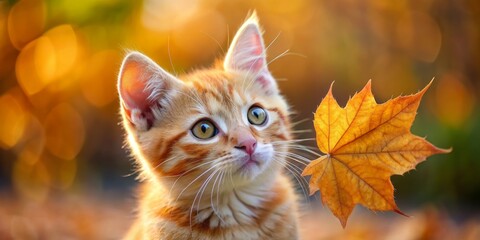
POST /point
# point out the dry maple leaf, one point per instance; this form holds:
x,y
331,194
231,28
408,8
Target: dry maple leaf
x,y
365,144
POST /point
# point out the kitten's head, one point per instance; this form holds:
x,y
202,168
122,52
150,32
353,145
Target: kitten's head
x,y
229,121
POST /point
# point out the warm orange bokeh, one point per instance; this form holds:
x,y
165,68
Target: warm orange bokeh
x,y
47,59
13,121
454,101
61,140
26,21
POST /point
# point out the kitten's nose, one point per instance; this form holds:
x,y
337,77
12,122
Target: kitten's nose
x,y
245,141
248,146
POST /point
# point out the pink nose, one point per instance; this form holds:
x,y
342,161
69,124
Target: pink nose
x,y
248,146
245,140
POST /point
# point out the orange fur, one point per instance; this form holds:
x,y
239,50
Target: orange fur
x,y
196,189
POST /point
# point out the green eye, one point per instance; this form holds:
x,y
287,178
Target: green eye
x,y
204,129
257,115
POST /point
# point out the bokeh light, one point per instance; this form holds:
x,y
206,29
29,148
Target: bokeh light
x,y
13,121
65,48
26,21
454,102
36,65
170,19
420,36
101,66
65,132
46,59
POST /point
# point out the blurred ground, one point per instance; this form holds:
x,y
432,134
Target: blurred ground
x,y
108,216
86,216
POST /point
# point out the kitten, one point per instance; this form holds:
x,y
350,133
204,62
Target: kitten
x,y
211,147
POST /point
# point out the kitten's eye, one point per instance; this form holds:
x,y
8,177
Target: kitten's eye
x,y
257,115
204,129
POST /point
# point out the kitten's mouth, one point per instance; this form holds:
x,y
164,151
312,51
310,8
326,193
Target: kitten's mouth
x,y
249,164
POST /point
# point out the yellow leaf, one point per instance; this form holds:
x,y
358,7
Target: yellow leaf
x,y
365,143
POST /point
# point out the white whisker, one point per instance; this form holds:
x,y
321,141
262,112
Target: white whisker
x,y
216,41
170,56
278,56
199,176
293,140
211,196
297,174
306,150
299,122
262,57
200,193
301,131
296,157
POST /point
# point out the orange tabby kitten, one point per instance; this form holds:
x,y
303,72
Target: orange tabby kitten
x,y
211,147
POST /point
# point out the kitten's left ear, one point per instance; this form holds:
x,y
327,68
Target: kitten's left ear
x,y
247,54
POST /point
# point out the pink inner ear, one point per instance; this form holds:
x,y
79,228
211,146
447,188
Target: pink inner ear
x,y
252,44
133,87
247,53
257,64
257,41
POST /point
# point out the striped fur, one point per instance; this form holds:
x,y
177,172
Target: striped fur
x,y
198,189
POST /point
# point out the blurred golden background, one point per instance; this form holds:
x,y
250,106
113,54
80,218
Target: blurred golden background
x,y
63,172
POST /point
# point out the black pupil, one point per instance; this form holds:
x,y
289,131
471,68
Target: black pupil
x,y
204,127
256,112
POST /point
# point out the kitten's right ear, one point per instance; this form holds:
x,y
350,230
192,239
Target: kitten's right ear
x,y
143,86
247,53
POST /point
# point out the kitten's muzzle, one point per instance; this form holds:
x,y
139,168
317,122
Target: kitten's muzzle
x,y
244,139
